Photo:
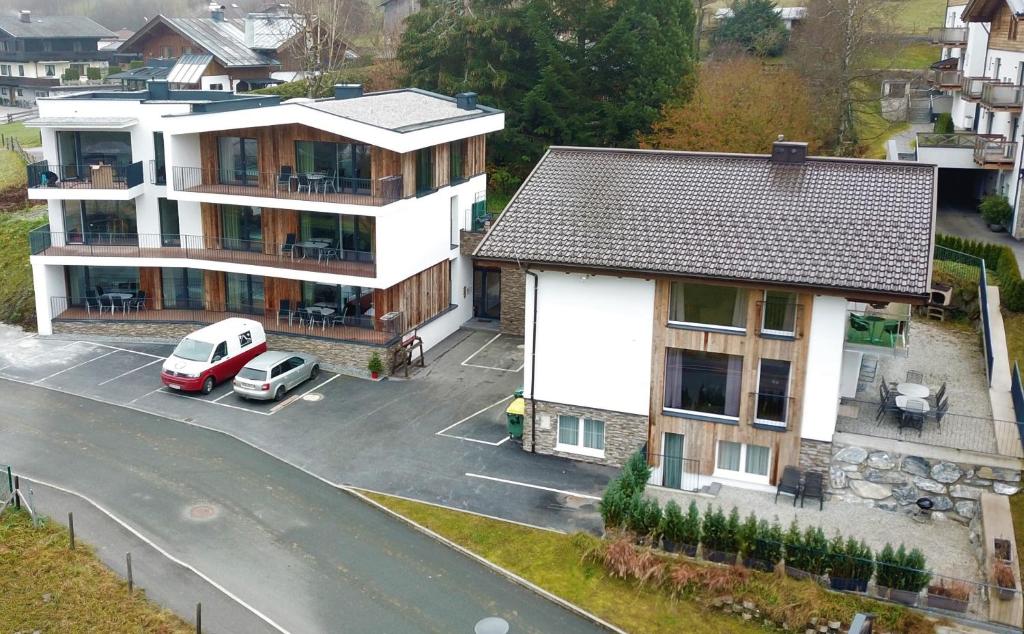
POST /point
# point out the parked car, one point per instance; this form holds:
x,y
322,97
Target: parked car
x,y
272,374
213,354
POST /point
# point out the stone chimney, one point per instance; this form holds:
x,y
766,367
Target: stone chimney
x,y
784,151
26,15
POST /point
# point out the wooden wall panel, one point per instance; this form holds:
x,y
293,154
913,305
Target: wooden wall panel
x,y
383,163
442,166
418,297
212,230
277,224
409,174
275,289
476,160
999,37
701,437
214,290
150,282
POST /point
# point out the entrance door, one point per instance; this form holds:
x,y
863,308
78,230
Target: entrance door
x,y
672,461
487,293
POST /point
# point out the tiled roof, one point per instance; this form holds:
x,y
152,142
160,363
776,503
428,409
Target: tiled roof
x,y
53,26
825,223
223,39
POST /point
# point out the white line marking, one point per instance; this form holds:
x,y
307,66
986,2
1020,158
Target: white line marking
x,y
492,340
202,400
129,371
103,345
482,442
533,486
136,398
296,397
476,413
78,365
266,619
488,367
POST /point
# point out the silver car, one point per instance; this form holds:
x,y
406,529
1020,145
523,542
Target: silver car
x,y
272,374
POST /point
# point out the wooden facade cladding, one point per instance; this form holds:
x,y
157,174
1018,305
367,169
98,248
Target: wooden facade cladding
x,y
214,291
150,282
418,297
442,169
476,160
1005,33
701,436
276,289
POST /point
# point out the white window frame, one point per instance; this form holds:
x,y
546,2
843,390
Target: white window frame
x,y
578,448
764,314
741,475
757,396
696,325
50,70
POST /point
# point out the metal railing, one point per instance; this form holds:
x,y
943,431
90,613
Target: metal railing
x,y
986,327
1002,96
964,140
114,308
316,188
1017,392
85,176
949,36
674,473
42,241
971,87
994,151
946,78
157,173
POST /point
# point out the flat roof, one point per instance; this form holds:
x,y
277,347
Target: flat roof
x,y
400,110
85,123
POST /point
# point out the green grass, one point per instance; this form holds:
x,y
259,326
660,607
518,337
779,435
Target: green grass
x,y
872,130
12,171
47,587
1017,513
17,301
914,56
28,137
903,16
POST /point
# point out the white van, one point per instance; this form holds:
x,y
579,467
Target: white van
x,y
213,354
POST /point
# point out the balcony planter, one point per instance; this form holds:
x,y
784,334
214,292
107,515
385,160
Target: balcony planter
x,y
1006,585
946,603
848,585
906,597
720,556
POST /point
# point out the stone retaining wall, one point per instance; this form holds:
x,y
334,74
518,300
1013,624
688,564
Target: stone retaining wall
x,y
894,482
624,433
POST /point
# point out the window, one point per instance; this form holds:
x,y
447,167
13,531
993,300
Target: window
x,y
707,305
216,86
182,288
21,70
581,435
5,69
159,164
347,164
20,92
244,293
241,228
221,351
100,221
82,281
457,151
703,383
277,370
245,339
186,50
453,221
238,160
293,363
166,52
50,70
772,393
77,150
170,226
779,314
424,171
747,462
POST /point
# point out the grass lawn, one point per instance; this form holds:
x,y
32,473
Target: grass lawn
x,y
1017,513
872,130
903,16
915,55
47,587
28,137
17,301
1013,323
12,171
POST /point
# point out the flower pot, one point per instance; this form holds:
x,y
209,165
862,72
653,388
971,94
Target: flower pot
x,y
906,597
796,573
947,603
719,556
996,228
374,375
758,564
669,545
1005,594
689,550
847,584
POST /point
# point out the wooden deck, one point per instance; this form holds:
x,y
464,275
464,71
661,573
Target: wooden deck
x,y
997,522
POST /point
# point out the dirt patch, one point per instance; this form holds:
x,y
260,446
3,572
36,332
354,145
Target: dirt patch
x,y
13,199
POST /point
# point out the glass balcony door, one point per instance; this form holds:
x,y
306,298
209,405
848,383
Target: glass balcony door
x,y
79,150
182,288
241,228
346,166
100,222
244,293
238,161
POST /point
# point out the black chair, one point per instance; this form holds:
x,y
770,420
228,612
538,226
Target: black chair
x,y
136,303
938,396
940,412
814,488
284,177
914,376
789,484
99,290
303,314
328,253
92,300
105,303
304,183
289,245
886,401
48,179
284,309
117,303
913,416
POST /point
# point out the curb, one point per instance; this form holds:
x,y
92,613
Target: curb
x,y
571,607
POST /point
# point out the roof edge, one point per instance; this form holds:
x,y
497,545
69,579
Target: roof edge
x,y
816,159
511,201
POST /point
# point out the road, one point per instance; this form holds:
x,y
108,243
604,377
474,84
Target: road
x,y
309,557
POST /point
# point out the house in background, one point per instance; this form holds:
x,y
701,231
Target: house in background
x,y
700,304
395,13
36,52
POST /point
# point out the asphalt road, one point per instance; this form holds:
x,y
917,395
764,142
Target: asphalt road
x,y
308,556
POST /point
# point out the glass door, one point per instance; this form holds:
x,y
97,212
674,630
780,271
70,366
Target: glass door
x,y
237,160
242,228
170,231
487,293
672,460
73,228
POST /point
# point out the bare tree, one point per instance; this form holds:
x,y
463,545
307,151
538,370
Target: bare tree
x,y
324,30
700,7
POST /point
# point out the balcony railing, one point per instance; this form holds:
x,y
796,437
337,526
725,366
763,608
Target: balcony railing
x,y
319,258
950,79
994,152
311,187
962,140
948,36
971,87
157,173
1007,97
365,329
674,473
43,175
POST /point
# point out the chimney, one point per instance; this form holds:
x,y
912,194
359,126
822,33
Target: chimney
x,y
159,89
250,30
26,15
348,91
466,100
217,12
788,151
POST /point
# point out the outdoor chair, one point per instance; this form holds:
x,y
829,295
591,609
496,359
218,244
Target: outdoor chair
x,y
337,320
913,416
303,314
284,177
886,402
136,303
117,304
99,290
304,183
915,376
92,300
331,181
940,412
289,245
861,328
938,396
284,309
891,329
789,484
328,253
106,303
814,488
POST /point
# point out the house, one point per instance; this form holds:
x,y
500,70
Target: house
x,y
790,16
699,304
36,52
395,13
334,222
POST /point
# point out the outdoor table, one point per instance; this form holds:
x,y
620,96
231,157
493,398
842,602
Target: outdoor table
x,y
112,296
315,180
309,244
903,401
323,311
914,390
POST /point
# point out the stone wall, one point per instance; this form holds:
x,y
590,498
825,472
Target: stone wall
x,y
624,433
894,482
513,300
469,240
815,455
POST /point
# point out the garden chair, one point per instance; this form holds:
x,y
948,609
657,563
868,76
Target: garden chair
x,y
940,412
136,303
915,376
284,309
284,177
939,396
289,245
814,488
92,300
789,484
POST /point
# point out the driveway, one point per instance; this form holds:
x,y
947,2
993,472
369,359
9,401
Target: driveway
x,y
307,556
968,223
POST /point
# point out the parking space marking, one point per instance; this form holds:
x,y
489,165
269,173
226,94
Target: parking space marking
x,y
295,397
202,400
123,374
533,486
146,394
474,414
481,349
467,364
77,365
103,345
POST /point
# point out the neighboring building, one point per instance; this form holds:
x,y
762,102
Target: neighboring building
x,y
190,206
36,52
395,13
790,16
701,304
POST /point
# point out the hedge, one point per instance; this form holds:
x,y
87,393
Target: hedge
x,y
1000,261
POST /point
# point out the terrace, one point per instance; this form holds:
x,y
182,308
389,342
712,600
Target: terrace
x,y
948,36
1002,97
994,153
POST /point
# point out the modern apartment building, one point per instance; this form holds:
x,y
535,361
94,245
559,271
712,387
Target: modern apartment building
x,y
708,306
36,52
334,221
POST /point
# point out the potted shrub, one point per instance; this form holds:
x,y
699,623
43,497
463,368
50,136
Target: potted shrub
x,y
850,565
613,506
747,538
901,575
996,211
721,536
671,528
1005,583
952,595
375,366
635,475
806,553
643,519
691,530
766,551
888,571
1003,551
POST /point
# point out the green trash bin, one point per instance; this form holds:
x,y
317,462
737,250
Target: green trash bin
x,y
514,415
518,393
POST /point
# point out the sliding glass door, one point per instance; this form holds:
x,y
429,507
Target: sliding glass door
x,y
95,281
244,293
346,165
238,160
353,303
100,222
182,288
357,237
241,228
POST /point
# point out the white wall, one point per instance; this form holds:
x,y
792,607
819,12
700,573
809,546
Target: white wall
x,y
594,339
47,281
824,364
962,158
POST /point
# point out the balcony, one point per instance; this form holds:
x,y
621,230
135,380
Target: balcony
x,y
948,36
946,79
994,153
117,181
321,259
285,186
871,329
1002,97
971,87
365,330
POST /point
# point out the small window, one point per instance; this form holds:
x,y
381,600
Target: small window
x,y
772,398
581,435
738,460
708,305
216,86
21,70
166,52
5,69
51,70
20,92
245,339
221,351
779,314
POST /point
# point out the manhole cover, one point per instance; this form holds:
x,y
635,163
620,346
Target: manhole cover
x,y
202,512
313,396
491,625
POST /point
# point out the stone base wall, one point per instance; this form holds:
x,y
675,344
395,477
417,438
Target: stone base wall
x,y
337,356
894,482
469,241
815,455
513,300
624,434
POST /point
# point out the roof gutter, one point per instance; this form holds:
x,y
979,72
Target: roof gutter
x,y
533,363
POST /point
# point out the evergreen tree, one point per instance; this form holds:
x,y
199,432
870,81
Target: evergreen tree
x,y
754,26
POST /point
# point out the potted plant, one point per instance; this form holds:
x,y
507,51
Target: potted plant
x,y
850,565
806,553
747,538
643,519
635,475
901,575
888,571
952,596
1006,586
766,551
996,211
671,527
720,536
375,366
1003,551
690,535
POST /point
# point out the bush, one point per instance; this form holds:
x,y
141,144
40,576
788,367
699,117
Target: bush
x,y
996,210
748,536
635,475
691,528
71,74
671,528
1000,260
915,577
93,73
721,534
943,124
807,551
768,544
614,505
755,27
850,559
644,516
887,564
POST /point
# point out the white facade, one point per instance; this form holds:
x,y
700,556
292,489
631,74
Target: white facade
x,y
826,339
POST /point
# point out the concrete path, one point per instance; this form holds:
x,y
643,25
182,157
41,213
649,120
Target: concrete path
x,y
906,139
969,224
309,557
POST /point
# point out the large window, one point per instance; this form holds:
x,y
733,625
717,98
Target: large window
x,y
159,163
773,393
457,151
100,221
580,435
170,227
779,314
748,462
703,383
182,288
353,234
85,281
78,150
346,165
241,228
424,170
353,303
244,293
238,160
708,305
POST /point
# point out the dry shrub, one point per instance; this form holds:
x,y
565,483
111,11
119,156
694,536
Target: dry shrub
x,y
625,561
